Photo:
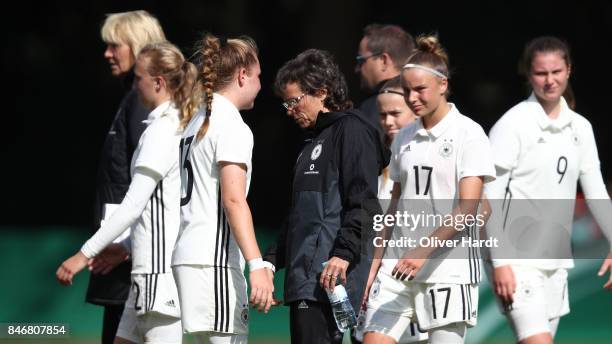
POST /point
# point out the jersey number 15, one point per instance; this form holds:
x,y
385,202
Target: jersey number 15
x,y
186,169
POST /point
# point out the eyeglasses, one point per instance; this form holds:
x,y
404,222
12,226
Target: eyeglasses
x,y
362,59
291,103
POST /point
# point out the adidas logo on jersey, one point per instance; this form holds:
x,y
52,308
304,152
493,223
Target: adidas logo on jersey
x,y
303,305
541,140
170,303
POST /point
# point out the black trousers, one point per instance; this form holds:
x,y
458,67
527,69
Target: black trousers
x,y
312,322
112,315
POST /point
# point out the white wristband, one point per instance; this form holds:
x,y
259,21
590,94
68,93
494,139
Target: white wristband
x,y
259,263
270,266
256,264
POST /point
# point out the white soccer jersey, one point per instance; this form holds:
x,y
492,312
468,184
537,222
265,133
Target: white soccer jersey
x,y
154,233
545,158
429,165
205,237
154,230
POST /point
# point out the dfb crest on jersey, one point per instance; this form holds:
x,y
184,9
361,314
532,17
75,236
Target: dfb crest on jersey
x,y
446,149
575,138
316,151
527,290
244,316
375,289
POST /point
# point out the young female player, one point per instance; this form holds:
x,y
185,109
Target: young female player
x,y
217,233
124,34
394,115
440,162
151,206
541,149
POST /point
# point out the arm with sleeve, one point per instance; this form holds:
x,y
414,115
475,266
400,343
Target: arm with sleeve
x,y
593,186
358,168
495,192
141,188
236,147
505,145
158,153
237,150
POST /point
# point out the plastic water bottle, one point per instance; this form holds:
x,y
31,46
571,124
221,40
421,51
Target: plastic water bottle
x,y
344,314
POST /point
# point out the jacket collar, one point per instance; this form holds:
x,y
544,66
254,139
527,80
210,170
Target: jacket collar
x,y
127,80
326,119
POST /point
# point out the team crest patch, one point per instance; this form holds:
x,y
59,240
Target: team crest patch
x,y
375,289
576,139
527,290
446,149
316,152
244,316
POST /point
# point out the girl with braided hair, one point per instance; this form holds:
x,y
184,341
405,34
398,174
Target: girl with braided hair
x,y
217,232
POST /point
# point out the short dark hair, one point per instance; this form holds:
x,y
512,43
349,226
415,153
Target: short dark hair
x,y
315,70
390,39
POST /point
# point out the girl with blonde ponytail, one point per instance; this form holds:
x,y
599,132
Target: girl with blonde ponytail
x,y
439,164
217,232
151,206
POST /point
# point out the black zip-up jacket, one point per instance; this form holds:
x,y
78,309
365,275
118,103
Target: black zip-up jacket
x,y
336,172
112,182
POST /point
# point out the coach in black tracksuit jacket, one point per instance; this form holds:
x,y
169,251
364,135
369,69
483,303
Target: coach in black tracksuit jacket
x,y
112,182
335,175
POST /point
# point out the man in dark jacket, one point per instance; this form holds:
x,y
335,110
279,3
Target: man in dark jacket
x,y
125,34
381,55
335,173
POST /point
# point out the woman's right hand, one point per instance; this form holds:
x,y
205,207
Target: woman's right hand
x,y
262,289
71,267
504,283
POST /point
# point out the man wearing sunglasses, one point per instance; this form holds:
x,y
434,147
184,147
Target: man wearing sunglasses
x,y
381,54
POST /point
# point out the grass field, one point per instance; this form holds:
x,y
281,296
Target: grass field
x,y
29,293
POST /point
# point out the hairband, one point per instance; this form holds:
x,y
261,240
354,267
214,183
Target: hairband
x,y
386,90
425,68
